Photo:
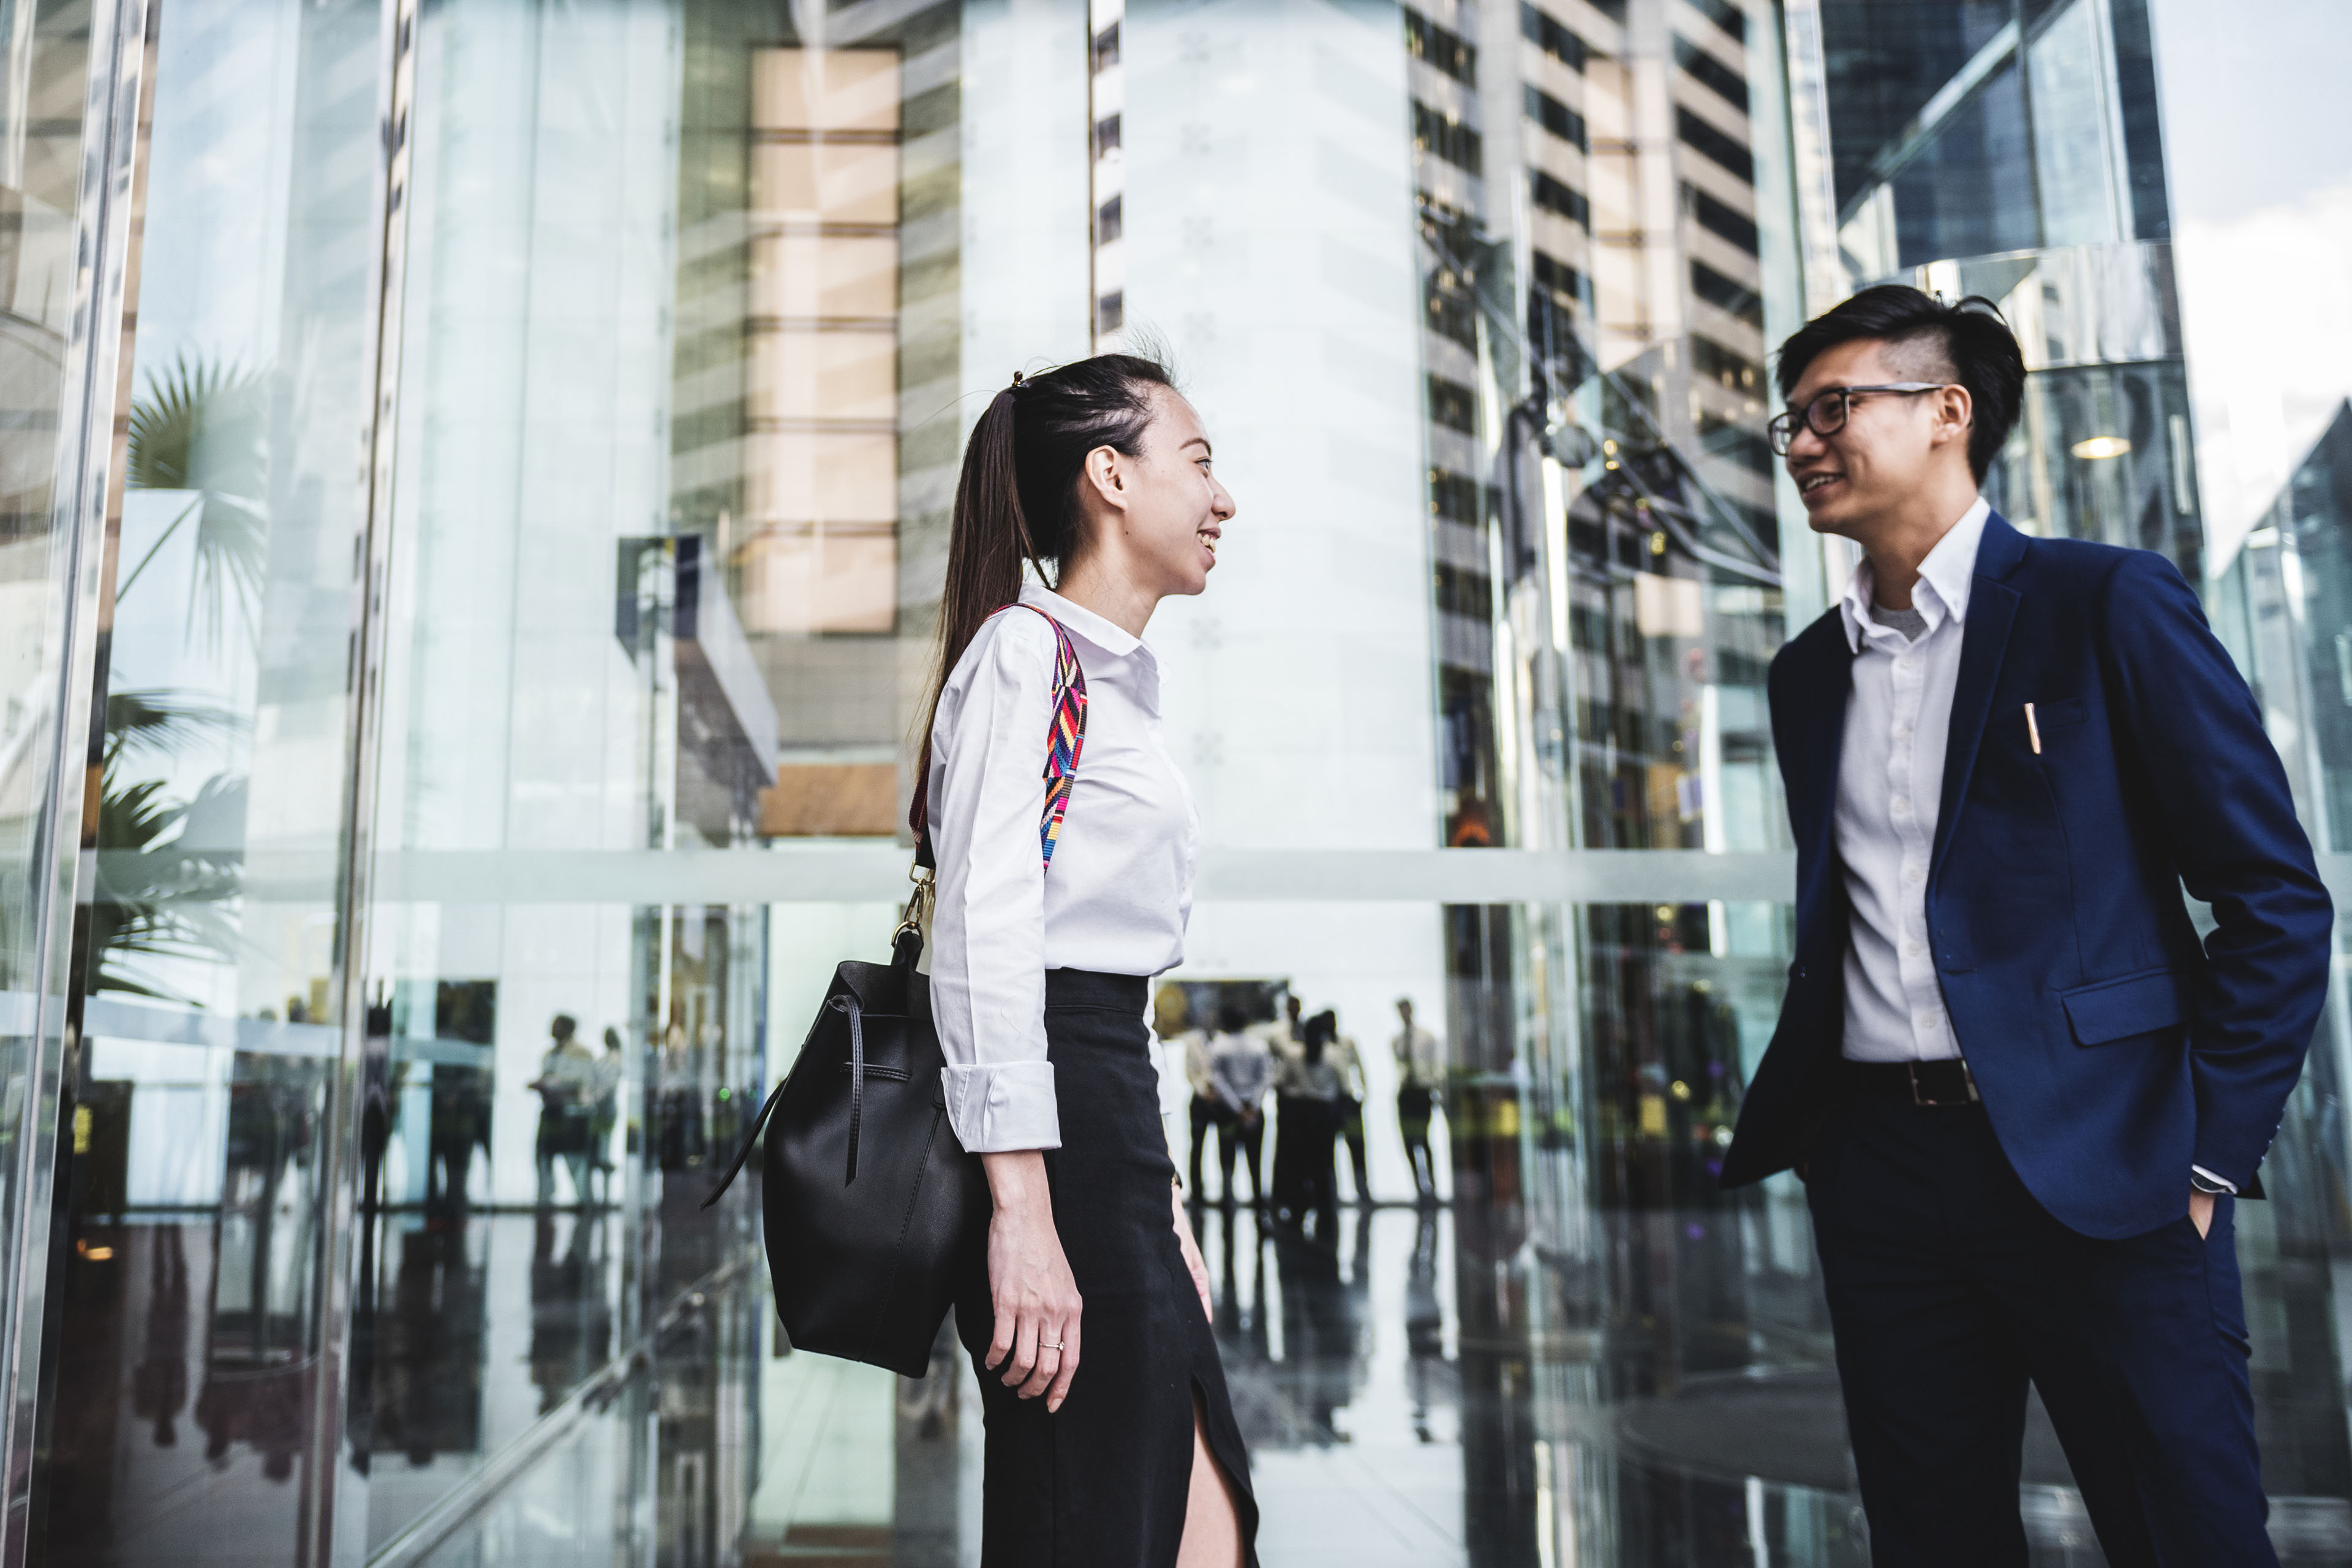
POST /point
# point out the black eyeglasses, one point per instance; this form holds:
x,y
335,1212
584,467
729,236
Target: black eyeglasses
x,y
1826,414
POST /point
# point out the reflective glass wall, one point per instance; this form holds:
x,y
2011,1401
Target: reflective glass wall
x,y
487,678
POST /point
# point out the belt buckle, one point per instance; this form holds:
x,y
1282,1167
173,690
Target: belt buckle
x,y
1968,1080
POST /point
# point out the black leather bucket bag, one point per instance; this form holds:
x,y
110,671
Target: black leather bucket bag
x,y
871,1206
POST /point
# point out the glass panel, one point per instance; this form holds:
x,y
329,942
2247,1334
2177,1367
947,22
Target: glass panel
x,y
195,1326
69,138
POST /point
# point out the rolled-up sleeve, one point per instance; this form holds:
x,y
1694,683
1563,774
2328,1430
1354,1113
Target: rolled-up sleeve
x,y
988,926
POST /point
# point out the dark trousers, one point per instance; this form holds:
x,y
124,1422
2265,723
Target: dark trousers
x,y
1950,1289
1206,1114
1245,1135
1413,1104
1351,1132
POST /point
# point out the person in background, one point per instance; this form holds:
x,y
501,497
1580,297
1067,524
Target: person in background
x,y
565,1083
1240,1071
1310,1122
610,1071
1349,1064
1421,1073
1171,1020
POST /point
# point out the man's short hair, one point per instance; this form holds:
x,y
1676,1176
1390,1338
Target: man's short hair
x,y
1965,342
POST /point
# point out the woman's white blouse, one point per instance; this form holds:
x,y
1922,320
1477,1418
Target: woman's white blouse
x,y
1120,889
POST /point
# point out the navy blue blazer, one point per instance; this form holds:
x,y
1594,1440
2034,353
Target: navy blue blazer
x,y
2112,1048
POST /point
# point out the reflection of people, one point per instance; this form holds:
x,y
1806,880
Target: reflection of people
x,y
1241,1070
571,1317
460,1107
159,1385
1046,928
2022,1090
1421,1073
566,1082
1425,1323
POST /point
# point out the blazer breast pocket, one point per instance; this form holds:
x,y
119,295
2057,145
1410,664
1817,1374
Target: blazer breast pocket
x,y
2058,715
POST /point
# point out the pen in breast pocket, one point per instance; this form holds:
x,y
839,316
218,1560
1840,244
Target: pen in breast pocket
x,y
2032,730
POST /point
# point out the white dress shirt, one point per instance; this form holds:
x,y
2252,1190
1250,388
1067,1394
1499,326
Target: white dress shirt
x,y
1890,794
1120,889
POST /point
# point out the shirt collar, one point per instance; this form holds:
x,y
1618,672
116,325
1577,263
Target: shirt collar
x,y
1945,578
1079,621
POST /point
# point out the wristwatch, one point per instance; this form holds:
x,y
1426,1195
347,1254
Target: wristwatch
x,y
2212,1186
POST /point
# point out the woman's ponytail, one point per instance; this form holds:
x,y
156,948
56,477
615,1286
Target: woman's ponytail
x,y
1017,502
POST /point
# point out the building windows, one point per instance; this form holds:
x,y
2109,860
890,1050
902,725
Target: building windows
x,y
1107,222
1452,405
1105,135
1439,49
1704,138
1454,498
1558,276
818,549
1551,37
1556,117
1719,219
1451,313
1106,47
1726,15
1459,591
1553,196
1711,73
1110,314
1732,371
1436,132
1723,294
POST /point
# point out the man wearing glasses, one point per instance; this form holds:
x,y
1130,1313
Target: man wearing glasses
x,y
2023,1096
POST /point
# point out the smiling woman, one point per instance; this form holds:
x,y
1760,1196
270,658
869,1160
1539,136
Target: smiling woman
x,y
1042,951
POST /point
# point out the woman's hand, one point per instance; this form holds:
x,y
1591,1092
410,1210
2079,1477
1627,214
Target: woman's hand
x,y
1192,1259
1029,1282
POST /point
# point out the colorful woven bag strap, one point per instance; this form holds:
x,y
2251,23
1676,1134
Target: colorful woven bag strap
x,y
1066,736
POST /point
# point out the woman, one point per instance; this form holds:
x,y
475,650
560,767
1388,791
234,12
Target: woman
x,y
1043,944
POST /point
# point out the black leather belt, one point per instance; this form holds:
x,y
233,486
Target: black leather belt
x,y
1943,1082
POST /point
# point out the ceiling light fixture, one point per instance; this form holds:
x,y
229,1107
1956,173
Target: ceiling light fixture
x,y
2099,446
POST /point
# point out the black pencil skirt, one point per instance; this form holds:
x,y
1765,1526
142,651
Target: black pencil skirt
x,y
1102,1482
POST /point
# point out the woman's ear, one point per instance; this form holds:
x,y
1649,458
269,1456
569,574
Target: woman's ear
x,y
1107,475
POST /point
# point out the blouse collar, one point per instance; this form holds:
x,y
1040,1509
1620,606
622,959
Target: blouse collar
x,y
1079,621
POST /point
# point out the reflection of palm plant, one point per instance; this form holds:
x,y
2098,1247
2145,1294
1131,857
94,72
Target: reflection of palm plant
x,y
158,895
204,427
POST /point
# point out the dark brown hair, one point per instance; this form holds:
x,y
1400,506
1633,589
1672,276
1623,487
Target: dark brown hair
x,y
1016,503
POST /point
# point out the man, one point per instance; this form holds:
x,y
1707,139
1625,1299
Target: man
x,y
2023,1095
1421,1073
1349,1064
1241,1069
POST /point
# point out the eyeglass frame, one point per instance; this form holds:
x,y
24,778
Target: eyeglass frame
x,y
1780,433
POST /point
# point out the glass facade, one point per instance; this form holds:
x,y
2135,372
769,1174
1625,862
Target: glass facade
x,y
478,480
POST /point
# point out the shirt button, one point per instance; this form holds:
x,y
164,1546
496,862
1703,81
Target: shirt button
x,y
1902,731
1906,662
1901,804
1914,878
1914,948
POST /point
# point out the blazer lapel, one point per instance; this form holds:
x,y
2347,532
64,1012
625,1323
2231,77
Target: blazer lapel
x,y
1816,732
1992,608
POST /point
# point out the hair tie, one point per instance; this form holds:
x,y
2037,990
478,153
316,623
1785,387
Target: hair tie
x,y
1016,381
